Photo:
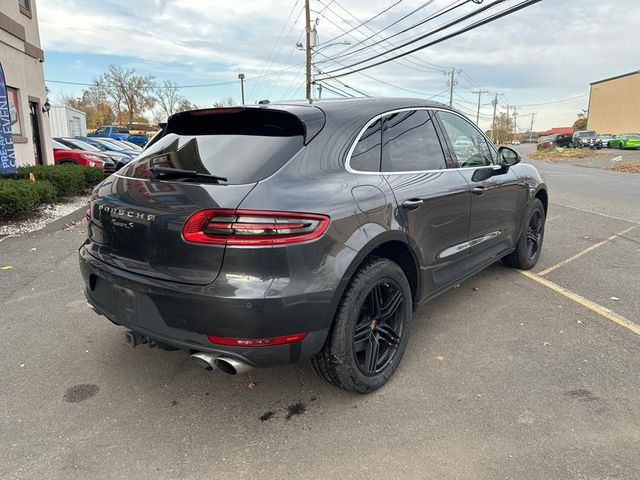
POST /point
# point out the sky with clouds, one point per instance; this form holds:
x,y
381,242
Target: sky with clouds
x,y
546,52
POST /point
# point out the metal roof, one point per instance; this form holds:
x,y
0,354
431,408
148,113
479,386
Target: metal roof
x,y
616,77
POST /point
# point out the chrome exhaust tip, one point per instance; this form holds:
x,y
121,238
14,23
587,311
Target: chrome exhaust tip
x,y
232,366
204,360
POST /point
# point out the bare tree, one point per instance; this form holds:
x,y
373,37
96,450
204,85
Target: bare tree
x,y
167,98
129,92
169,101
225,102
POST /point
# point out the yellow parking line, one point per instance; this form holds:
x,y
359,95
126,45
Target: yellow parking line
x,y
594,307
585,251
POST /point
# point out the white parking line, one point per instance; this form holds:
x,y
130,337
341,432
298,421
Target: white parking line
x,y
597,213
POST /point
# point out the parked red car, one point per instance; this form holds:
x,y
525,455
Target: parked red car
x,y
63,154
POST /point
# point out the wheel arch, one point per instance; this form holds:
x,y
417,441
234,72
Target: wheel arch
x,y
392,245
543,196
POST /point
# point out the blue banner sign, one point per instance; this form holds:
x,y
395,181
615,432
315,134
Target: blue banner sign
x,y
7,151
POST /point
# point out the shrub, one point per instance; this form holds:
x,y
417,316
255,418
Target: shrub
x,y
18,198
69,179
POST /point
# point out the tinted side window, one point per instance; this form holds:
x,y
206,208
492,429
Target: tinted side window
x,y
469,145
411,143
366,155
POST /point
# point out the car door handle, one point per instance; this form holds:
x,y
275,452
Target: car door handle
x,y
412,204
479,190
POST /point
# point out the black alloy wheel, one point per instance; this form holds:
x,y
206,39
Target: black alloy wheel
x,y
371,328
378,333
529,245
534,234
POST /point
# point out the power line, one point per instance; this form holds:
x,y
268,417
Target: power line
x,y
433,16
468,28
218,84
411,61
366,21
574,97
273,53
409,90
428,34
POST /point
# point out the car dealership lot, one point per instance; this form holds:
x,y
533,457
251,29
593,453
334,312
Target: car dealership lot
x,y
505,376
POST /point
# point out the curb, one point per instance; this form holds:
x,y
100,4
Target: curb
x,y
59,223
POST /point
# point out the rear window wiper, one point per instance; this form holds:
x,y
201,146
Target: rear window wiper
x,y
167,172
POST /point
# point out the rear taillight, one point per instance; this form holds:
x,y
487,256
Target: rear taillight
x,y
257,342
253,227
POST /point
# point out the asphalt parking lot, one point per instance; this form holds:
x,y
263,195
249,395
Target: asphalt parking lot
x,y
507,376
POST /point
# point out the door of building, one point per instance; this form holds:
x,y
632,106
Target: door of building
x,y
35,132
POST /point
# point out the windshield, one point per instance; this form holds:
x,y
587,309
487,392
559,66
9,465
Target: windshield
x,y
587,134
59,145
632,135
132,146
81,145
111,144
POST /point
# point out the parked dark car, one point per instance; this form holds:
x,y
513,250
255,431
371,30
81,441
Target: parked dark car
x,y
331,224
586,138
553,141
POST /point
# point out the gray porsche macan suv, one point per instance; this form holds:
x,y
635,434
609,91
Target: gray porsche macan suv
x,y
264,235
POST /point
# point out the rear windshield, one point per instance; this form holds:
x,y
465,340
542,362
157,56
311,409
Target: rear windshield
x,y
120,130
245,146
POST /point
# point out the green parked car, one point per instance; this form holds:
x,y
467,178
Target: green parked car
x,y
625,140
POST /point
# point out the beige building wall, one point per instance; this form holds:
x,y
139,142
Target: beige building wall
x,y
22,61
614,105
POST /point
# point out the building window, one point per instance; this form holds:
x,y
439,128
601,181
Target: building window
x,y
14,110
25,7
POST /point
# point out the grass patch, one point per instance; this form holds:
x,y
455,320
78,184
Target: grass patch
x,y
559,154
627,167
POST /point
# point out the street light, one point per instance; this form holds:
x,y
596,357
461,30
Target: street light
x,y
241,77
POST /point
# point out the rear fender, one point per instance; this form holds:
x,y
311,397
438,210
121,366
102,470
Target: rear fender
x,y
364,241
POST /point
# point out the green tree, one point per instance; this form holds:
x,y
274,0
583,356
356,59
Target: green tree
x,y
97,109
581,122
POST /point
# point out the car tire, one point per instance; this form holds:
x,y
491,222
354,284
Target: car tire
x,y
347,358
529,245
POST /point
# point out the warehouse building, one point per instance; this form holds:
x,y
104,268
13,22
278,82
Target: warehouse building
x,y
614,104
22,61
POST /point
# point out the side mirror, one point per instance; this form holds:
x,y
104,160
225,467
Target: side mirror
x,y
508,157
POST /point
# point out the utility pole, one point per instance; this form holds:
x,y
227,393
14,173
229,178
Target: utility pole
x,y
319,90
241,77
479,92
515,122
307,12
452,82
494,102
533,114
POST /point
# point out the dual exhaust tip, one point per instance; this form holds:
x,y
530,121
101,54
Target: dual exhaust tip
x,y
209,361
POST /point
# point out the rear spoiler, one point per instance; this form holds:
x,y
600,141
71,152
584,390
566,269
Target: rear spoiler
x,y
289,120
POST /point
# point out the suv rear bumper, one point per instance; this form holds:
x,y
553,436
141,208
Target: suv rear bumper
x,y
182,315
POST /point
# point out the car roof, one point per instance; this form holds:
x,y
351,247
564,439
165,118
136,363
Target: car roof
x,y
358,106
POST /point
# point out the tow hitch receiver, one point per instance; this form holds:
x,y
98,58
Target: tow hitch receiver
x,y
136,339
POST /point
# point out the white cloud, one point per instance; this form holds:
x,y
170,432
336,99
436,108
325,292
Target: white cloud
x,y
552,50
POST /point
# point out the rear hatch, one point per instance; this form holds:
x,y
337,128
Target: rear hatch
x,y
206,159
